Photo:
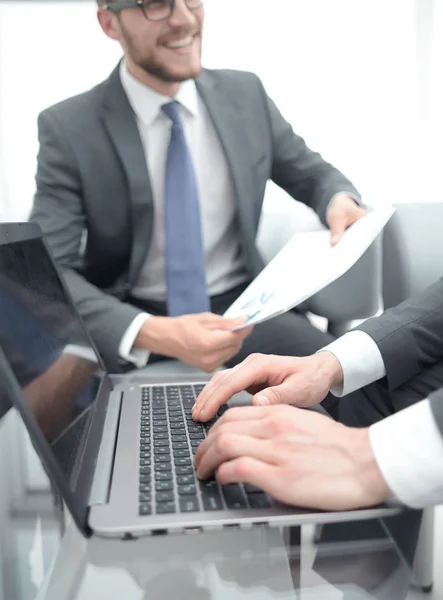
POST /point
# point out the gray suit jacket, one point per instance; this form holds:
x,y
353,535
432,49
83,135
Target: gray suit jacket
x,y
410,338
92,177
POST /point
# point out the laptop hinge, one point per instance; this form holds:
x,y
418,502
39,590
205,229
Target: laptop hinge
x,y
106,454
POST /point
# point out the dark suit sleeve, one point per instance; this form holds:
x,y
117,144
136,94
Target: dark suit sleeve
x,y
410,336
298,170
58,208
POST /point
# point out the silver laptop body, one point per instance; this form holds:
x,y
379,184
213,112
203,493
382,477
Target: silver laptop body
x,y
118,449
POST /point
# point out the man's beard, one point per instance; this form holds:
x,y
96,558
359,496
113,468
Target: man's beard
x,y
153,67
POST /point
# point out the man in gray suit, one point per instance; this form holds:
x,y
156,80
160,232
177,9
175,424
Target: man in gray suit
x,y
150,189
392,440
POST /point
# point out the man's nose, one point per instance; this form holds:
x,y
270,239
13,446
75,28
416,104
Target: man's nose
x,y
181,14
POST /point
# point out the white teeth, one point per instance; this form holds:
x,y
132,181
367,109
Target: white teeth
x,y
187,41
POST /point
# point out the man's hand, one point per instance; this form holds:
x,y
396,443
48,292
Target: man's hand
x,y
297,456
204,341
342,213
273,380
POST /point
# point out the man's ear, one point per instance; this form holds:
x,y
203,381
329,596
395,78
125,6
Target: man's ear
x,y
109,23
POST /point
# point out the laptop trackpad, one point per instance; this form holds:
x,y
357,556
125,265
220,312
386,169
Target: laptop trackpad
x,y
240,399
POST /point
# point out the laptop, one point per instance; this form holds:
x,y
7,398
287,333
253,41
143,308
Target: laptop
x,y
117,449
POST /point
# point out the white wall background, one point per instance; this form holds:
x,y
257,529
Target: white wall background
x,y
344,72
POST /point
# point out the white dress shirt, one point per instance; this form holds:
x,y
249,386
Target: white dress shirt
x,y
224,268
407,446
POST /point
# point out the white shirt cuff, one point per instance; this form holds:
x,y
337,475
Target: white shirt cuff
x,y
138,356
408,448
360,359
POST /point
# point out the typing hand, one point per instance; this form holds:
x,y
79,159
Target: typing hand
x,y
273,380
297,456
205,341
342,213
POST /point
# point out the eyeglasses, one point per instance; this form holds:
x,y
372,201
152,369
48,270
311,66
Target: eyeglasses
x,y
154,10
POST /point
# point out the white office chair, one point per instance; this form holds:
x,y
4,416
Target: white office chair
x,y
412,261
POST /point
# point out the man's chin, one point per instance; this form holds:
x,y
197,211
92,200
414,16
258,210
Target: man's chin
x,y
174,75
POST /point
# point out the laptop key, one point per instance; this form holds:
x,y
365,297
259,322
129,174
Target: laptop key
x,y
182,462
185,479
184,470
195,428
144,497
187,490
197,435
212,500
163,486
162,458
163,466
144,454
144,478
178,429
145,470
251,489
144,488
161,497
179,438
208,484
259,500
189,504
234,497
145,509
165,508
161,429
163,476
179,445
164,435
159,443
181,453
145,462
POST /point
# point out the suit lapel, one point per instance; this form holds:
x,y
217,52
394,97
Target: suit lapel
x,y
228,119
119,120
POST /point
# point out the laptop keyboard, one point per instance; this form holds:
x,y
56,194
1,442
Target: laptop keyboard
x,y
169,438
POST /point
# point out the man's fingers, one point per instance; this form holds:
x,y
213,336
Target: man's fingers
x,y
223,387
229,446
238,419
337,225
250,470
222,323
279,394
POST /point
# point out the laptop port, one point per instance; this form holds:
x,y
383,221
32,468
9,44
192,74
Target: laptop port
x,y
192,529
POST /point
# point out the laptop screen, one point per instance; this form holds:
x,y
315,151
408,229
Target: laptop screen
x,y
48,351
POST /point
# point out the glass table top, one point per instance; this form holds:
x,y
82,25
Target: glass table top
x,y
353,560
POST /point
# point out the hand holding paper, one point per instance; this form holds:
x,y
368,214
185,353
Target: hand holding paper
x,y
306,265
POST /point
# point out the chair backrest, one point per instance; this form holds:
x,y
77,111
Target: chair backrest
x,y
355,295
412,251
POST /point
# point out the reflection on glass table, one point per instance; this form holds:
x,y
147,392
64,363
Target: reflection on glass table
x,y
353,561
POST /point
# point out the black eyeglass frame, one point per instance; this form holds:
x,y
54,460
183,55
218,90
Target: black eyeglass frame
x,y
119,5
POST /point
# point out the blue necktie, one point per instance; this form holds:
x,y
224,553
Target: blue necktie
x,y
185,257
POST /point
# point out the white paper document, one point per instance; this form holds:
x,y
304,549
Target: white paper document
x,y
304,266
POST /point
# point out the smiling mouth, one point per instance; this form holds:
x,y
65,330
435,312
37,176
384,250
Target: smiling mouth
x,y
183,42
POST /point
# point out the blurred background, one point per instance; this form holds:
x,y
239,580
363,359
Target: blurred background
x,y
361,80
